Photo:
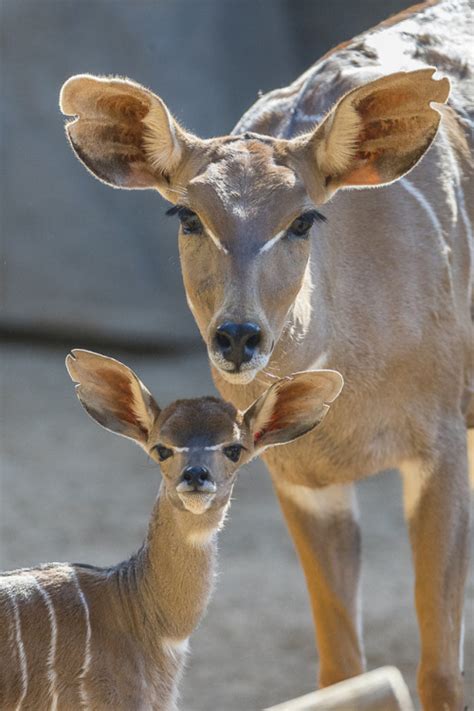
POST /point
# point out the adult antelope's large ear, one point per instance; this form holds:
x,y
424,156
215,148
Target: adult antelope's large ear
x,y
375,134
291,407
113,395
123,133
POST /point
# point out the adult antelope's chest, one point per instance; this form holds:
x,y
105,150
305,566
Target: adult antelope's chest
x,y
349,445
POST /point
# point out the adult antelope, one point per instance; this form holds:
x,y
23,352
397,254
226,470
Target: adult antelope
x,y
380,288
81,637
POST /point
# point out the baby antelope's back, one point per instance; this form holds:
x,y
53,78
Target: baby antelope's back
x,y
61,646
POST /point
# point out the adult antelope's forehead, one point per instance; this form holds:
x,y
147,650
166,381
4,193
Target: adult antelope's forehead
x,y
199,422
244,177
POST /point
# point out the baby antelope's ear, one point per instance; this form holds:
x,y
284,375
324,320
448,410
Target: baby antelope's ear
x,y
113,395
292,407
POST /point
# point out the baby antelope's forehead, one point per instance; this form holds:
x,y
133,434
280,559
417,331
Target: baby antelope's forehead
x,y
198,423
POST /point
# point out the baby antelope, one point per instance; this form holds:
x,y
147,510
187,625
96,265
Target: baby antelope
x,y
76,636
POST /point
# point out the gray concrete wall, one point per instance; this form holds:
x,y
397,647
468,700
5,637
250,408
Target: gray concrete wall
x,y
83,260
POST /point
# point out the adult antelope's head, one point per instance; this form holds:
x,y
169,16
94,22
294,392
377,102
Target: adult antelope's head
x,y
247,203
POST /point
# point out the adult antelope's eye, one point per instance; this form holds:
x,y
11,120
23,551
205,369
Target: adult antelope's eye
x,y
300,227
163,452
233,452
190,222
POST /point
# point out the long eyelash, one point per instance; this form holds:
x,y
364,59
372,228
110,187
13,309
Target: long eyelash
x,y
173,210
181,211
314,216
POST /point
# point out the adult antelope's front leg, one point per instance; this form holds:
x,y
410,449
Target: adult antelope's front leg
x,y
324,527
436,498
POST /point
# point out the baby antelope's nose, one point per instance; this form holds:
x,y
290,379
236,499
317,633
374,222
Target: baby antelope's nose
x,y
197,478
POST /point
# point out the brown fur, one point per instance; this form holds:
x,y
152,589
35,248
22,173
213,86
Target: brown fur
x,y
75,636
207,421
383,292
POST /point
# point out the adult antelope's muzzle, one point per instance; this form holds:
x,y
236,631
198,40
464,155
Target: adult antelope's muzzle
x,y
237,343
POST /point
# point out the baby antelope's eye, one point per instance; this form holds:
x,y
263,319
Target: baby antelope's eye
x,y
163,452
300,227
233,452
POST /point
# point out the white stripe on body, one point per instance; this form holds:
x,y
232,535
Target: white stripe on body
x,y
421,200
51,662
87,651
9,584
461,645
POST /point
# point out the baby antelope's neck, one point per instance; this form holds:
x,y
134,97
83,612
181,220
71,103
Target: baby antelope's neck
x,y
170,580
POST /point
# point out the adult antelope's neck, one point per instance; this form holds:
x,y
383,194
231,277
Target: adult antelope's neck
x,y
167,584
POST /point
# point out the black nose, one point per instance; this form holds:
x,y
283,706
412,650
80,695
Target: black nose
x,y
237,342
196,476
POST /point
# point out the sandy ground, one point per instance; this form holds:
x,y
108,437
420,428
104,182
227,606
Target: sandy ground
x,y
70,491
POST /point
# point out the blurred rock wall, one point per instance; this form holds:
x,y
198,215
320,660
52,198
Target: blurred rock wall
x,y
80,259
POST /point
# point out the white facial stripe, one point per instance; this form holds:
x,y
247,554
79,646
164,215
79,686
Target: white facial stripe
x,y
268,245
87,651
209,448
216,241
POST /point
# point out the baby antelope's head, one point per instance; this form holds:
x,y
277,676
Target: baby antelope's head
x,y
200,443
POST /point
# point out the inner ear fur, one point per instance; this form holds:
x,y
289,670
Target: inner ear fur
x,y
113,395
377,132
292,407
123,133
